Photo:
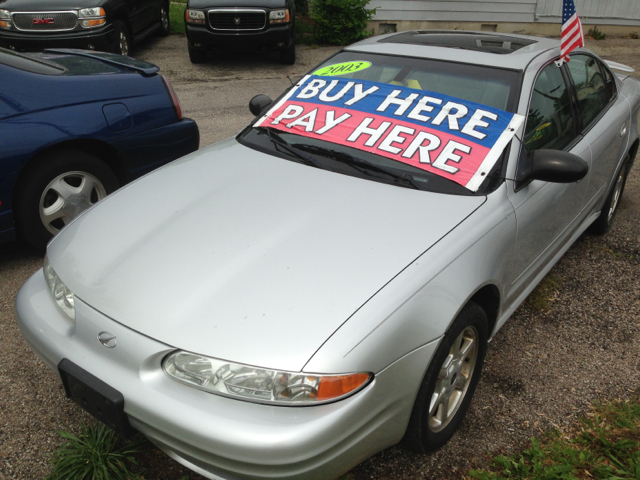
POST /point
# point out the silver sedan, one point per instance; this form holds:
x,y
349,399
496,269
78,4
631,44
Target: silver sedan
x,y
324,285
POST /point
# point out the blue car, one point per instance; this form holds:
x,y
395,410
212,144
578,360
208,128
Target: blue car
x,y
75,126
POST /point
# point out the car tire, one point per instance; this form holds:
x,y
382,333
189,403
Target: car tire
x,y
604,222
450,381
165,20
197,56
122,42
56,189
288,55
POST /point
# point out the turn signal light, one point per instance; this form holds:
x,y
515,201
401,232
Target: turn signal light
x,y
338,386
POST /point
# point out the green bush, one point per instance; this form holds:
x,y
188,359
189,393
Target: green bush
x,y
341,22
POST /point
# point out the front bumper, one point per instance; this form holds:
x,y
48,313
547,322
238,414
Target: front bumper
x,y
218,437
101,39
272,38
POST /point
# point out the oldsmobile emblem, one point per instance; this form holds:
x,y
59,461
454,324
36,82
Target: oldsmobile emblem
x,y
106,339
236,20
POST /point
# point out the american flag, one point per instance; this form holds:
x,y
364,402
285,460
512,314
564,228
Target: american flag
x,y
572,36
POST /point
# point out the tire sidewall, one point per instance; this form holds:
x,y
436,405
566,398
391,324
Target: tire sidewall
x,y
603,223
419,436
37,178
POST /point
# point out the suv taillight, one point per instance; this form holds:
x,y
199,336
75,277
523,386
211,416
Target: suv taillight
x,y
174,97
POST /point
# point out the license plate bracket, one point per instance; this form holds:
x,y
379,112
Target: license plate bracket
x,y
95,397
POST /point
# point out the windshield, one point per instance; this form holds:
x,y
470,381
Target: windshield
x,y
406,78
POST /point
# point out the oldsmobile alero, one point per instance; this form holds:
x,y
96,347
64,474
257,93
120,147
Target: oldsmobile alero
x,y
324,285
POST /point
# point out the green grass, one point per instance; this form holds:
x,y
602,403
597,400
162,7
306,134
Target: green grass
x,y
604,446
176,16
95,454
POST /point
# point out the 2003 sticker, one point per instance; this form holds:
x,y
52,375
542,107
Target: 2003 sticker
x,y
342,68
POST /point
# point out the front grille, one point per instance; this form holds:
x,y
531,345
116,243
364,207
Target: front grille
x,y
237,19
45,21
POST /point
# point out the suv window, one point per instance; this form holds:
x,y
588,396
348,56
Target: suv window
x,y
593,95
550,122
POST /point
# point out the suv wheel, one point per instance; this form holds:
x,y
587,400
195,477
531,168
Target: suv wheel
x,y
122,44
165,20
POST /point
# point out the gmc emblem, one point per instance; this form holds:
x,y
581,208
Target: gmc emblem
x,y
43,21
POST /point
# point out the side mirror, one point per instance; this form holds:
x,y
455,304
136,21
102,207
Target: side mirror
x,y
258,103
551,166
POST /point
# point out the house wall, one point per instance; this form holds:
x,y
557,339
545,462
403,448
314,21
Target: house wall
x,y
541,17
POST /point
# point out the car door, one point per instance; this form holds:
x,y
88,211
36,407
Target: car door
x,y
546,213
605,119
134,12
150,12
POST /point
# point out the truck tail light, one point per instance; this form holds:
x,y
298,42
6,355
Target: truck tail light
x,y
174,97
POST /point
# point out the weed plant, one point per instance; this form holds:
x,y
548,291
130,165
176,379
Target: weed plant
x,y
95,454
603,446
596,34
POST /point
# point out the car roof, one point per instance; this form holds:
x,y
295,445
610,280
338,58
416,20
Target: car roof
x,y
479,48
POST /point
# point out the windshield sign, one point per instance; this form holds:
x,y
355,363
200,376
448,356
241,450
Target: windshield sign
x,y
456,139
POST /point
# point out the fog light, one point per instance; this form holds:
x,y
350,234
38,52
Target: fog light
x,y
91,47
281,44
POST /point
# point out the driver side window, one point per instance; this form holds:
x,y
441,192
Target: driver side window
x,y
550,123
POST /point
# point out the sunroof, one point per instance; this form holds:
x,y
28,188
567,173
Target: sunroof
x,y
500,44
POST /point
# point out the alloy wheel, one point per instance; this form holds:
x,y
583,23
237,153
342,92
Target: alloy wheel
x,y
164,17
124,44
453,379
616,195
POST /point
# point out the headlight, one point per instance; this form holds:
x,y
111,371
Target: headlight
x,y
91,12
61,294
5,19
279,16
259,384
194,16
92,17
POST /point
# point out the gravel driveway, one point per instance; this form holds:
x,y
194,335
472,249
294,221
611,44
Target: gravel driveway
x,y
543,368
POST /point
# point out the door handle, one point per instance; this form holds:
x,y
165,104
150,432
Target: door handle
x,y
623,130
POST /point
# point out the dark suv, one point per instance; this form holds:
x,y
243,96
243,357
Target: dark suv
x,y
240,25
107,25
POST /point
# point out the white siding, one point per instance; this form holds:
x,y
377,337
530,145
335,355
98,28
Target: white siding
x,y
455,10
605,12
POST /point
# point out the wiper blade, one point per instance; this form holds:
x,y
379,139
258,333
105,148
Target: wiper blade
x,y
280,142
359,164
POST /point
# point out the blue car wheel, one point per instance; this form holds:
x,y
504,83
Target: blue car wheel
x,y
56,189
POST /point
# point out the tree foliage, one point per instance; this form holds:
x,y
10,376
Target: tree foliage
x,y
341,22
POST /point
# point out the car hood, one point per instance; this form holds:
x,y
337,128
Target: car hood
x,y
243,256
